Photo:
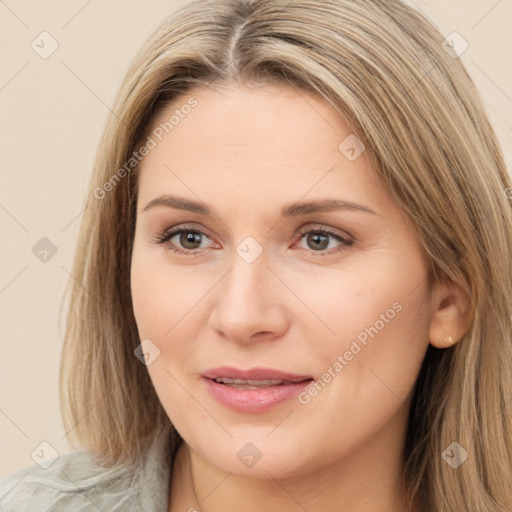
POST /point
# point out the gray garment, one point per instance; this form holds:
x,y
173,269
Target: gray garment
x,y
74,482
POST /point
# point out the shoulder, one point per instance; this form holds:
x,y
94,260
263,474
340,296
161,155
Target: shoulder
x,y
75,482
72,482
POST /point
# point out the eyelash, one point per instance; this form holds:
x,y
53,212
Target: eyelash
x,y
170,233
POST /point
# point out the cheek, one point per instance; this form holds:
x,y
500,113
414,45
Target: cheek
x,y
147,294
370,330
168,309
365,373
160,306
160,294
376,302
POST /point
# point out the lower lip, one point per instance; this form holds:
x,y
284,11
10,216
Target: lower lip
x,y
254,400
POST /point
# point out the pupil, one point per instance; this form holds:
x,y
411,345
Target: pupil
x,y
316,238
190,238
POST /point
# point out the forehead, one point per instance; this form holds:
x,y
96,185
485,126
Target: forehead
x,y
272,117
264,142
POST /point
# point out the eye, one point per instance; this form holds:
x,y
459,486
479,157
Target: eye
x,y
319,240
187,238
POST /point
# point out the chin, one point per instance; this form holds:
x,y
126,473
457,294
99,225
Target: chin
x,y
263,460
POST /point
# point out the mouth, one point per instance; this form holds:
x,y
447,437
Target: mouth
x,y
254,384
229,374
254,390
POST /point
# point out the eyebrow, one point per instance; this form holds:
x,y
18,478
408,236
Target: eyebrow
x,y
290,210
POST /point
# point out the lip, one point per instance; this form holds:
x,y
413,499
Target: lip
x,y
254,400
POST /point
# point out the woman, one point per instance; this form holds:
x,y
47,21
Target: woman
x,y
215,358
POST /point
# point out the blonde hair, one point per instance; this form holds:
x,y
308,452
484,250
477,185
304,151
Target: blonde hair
x,y
382,66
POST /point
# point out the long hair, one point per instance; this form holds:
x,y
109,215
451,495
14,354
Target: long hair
x,y
383,67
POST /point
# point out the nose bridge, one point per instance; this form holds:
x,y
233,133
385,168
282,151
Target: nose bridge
x,y
246,303
247,279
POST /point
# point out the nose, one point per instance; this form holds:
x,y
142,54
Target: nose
x,y
250,303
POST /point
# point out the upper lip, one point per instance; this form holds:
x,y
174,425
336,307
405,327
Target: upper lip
x,y
254,374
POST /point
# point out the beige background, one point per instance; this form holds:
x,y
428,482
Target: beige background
x,y
53,111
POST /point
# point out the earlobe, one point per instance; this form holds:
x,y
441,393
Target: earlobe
x,y
450,319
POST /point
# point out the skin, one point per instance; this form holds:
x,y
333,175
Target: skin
x,y
246,153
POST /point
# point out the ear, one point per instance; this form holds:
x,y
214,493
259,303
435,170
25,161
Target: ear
x,y
450,315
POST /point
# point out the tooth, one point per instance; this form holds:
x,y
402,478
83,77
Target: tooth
x,y
250,382
268,382
243,386
225,380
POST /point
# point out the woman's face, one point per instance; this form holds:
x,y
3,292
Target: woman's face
x,y
337,295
